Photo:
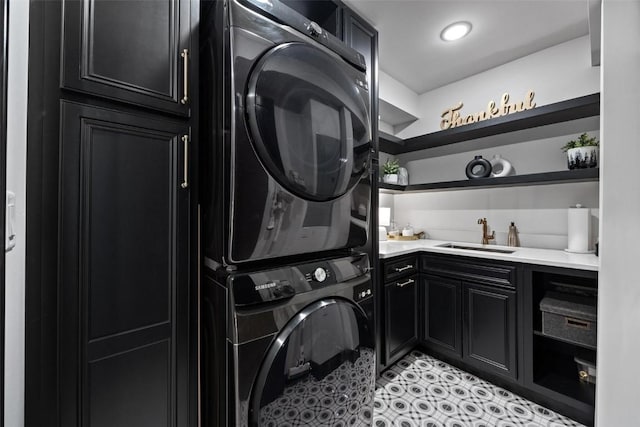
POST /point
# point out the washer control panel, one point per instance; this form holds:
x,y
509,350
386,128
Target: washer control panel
x,y
285,282
320,274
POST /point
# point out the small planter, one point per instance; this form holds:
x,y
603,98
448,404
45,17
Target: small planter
x,y
582,153
391,178
582,157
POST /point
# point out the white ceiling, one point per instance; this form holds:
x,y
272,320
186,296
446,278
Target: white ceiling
x,y
411,51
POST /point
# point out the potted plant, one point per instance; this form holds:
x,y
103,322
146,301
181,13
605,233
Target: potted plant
x,y
582,152
390,171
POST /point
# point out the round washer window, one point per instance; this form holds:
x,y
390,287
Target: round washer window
x,y
319,369
309,120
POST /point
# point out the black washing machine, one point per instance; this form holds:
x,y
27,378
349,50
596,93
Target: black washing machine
x,y
285,138
290,346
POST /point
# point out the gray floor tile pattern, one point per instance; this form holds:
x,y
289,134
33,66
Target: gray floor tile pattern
x,y
341,399
422,391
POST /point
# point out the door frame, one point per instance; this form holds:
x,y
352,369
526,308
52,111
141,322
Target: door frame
x,y
4,29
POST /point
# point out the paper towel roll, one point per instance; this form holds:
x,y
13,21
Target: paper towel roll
x,y
579,229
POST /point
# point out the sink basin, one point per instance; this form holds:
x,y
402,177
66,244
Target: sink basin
x,y
476,248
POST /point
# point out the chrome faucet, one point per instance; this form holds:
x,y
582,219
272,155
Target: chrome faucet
x,y
486,237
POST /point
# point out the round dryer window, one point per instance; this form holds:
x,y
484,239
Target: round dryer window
x,y
320,370
308,113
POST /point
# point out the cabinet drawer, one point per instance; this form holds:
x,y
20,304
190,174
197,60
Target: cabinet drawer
x,y
403,281
484,272
400,267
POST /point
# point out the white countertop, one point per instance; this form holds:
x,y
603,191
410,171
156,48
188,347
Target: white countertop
x,y
550,257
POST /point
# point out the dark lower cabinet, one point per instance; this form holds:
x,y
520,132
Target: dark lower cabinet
x,y
551,368
472,322
124,271
490,329
484,316
401,317
470,312
134,51
442,314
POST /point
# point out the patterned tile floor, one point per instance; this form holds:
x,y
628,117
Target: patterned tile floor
x,y
425,392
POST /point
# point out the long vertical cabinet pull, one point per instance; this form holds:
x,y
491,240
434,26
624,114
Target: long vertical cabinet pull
x,y
185,77
185,181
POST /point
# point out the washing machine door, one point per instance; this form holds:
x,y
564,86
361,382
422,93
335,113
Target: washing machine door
x,y
320,370
308,113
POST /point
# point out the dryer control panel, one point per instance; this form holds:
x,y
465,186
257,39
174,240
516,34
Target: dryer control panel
x,y
287,16
277,284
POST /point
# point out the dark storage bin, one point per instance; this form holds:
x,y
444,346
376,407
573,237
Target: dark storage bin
x,y
569,317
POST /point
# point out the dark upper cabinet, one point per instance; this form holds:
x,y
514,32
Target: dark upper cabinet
x,y
490,328
362,37
401,317
442,314
124,272
325,13
133,51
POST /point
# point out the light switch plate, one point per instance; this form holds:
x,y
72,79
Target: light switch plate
x,y
9,234
382,233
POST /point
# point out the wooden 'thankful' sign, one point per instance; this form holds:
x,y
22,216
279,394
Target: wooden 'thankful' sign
x,y
451,117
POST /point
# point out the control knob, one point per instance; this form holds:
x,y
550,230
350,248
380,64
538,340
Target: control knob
x,y
319,274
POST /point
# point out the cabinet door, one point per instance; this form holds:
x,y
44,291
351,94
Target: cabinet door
x,y
401,317
490,332
129,50
124,277
442,315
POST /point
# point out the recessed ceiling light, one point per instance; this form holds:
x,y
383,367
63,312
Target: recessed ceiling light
x,y
455,31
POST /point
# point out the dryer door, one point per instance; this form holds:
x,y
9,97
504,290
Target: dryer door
x,y
320,370
308,112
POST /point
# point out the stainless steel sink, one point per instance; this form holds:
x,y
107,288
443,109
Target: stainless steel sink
x,y
476,248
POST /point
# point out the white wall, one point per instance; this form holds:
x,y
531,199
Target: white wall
x,y
397,94
385,127
540,212
398,104
16,182
619,287
555,74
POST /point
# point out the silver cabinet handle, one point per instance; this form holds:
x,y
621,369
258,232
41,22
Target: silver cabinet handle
x,y
403,284
185,181
185,77
406,267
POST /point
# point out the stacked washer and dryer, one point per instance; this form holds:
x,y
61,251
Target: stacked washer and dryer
x,y
287,299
